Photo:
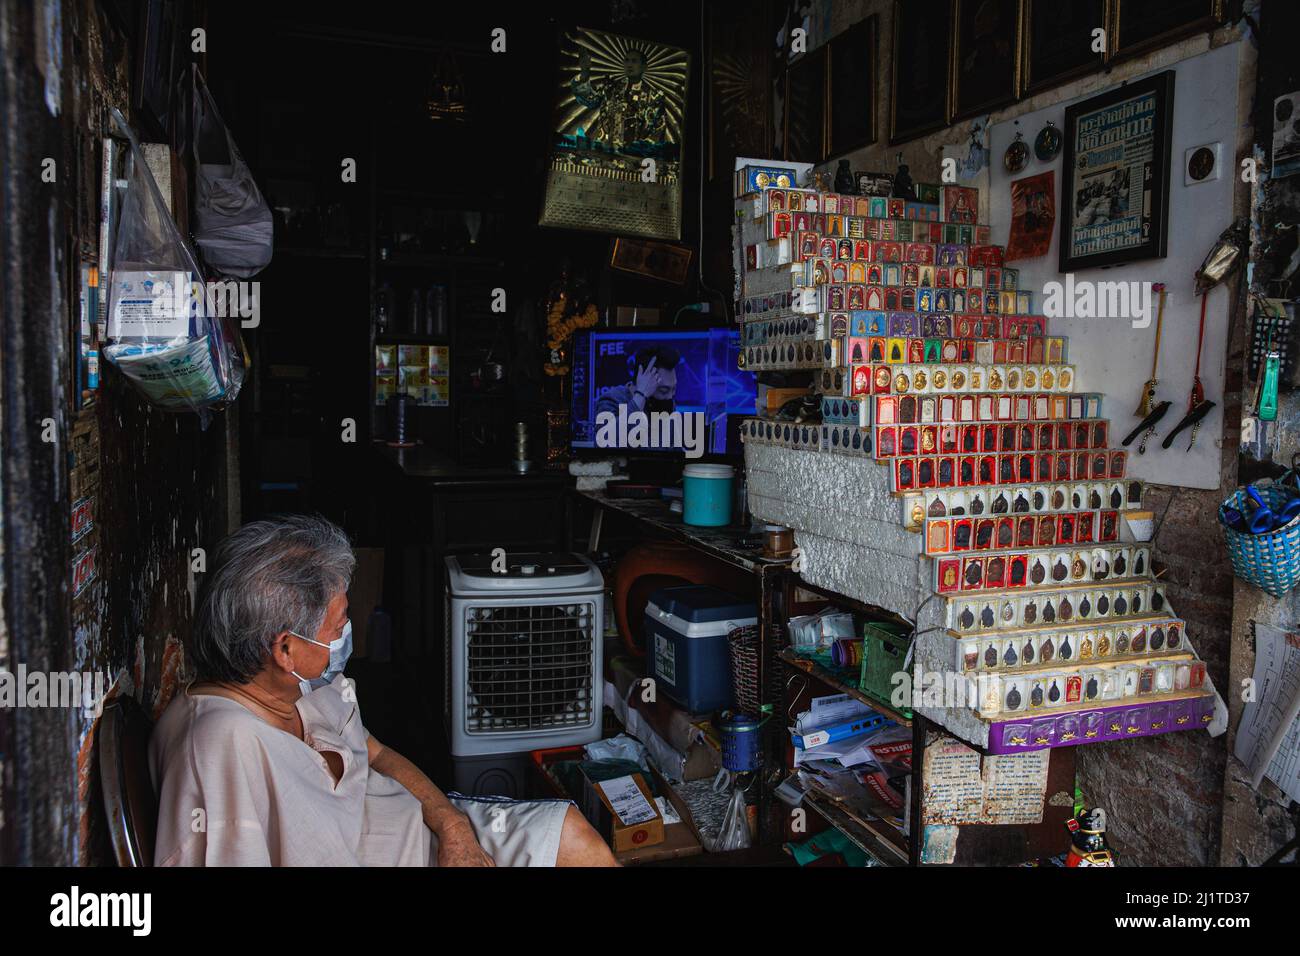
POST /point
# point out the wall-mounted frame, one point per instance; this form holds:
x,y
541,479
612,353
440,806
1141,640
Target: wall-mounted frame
x,y
599,140
1137,26
654,260
851,103
740,88
1058,41
920,89
806,95
1100,189
986,57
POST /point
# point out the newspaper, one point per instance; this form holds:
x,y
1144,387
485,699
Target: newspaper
x,y
1114,151
1268,740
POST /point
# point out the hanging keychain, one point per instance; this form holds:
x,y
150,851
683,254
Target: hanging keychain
x,y
1146,428
1148,396
1197,406
1223,259
1266,403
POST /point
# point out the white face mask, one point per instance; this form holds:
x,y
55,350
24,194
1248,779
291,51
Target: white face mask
x,y
340,651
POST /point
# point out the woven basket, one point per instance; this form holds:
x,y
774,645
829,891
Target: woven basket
x,y
743,643
1269,561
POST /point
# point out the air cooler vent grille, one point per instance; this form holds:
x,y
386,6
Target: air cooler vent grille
x,y
528,667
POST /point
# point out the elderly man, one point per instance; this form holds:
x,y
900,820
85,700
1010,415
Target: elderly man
x,y
264,761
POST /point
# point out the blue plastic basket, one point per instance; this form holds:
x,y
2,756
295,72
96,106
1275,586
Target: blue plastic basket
x,y
1269,561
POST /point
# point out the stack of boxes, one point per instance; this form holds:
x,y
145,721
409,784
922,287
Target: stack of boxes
x,y
930,360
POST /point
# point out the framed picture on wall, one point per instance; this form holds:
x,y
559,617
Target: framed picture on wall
x,y
805,108
986,55
919,94
1058,41
1139,25
740,88
852,88
1115,178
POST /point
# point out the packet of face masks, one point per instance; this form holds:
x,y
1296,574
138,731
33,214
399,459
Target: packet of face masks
x,y
162,332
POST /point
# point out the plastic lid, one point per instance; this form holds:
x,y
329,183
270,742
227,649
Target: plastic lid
x,y
708,471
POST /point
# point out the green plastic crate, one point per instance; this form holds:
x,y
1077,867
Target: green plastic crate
x,y
884,648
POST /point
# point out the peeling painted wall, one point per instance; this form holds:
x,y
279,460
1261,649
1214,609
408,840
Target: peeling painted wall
x,y
158,481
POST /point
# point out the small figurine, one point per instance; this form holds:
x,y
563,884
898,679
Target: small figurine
x,y
844,181
903,188
1088,840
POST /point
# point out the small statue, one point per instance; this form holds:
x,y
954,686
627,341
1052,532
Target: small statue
x,y
1088,840
844,182
903,188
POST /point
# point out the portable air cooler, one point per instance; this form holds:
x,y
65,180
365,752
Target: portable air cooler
x,y
524,653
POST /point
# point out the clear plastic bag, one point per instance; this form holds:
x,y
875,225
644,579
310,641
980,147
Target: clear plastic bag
x,y
734,834
232,221
162,332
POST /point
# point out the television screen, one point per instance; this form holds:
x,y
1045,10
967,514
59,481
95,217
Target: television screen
x,y
659,390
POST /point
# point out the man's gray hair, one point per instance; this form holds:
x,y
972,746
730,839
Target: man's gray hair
x,y
270,576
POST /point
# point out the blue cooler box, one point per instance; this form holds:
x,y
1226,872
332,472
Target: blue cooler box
x,y
686,644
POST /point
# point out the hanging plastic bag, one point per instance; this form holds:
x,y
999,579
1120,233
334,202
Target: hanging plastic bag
x,y
232,221
734,834
162,333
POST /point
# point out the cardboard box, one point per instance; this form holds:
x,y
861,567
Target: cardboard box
x,y
601,813
680,839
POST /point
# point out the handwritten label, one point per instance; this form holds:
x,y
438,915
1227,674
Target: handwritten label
x,y
1014,787
953,791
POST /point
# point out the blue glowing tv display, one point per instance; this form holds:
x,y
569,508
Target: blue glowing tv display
x,y
658,370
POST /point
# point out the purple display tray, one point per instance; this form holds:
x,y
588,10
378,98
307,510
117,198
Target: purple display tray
x,y
1137,717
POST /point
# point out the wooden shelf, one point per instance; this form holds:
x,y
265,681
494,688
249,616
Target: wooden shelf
x,y
315,252
411,338
403,260
878,838
813,669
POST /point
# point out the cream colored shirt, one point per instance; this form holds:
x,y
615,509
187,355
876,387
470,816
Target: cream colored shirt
x,y
236,791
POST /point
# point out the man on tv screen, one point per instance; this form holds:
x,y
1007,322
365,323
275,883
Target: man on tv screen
x,y
653,385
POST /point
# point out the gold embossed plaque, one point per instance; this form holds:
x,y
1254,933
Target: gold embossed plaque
x,y
616,151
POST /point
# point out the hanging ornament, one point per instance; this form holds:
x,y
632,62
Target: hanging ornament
x,y
1220,263
1047,144
1017,154
1149,388
1197,406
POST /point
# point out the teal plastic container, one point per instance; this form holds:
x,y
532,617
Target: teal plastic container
x,y
707,492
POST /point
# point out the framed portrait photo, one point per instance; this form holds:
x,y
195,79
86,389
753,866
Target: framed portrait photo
x,y
986,55
852,88
1059,41
1140,25
805,108
920,91
1115,177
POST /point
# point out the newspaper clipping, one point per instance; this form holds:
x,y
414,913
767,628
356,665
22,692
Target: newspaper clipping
x,y
1112,183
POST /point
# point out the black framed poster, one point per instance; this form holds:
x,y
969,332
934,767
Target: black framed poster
x,y
1115,178
986,56
1059,42
1143,24
852,88
919,93
805,108
740,88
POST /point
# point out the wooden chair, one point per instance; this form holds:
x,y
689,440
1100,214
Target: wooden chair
x,y
129,799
